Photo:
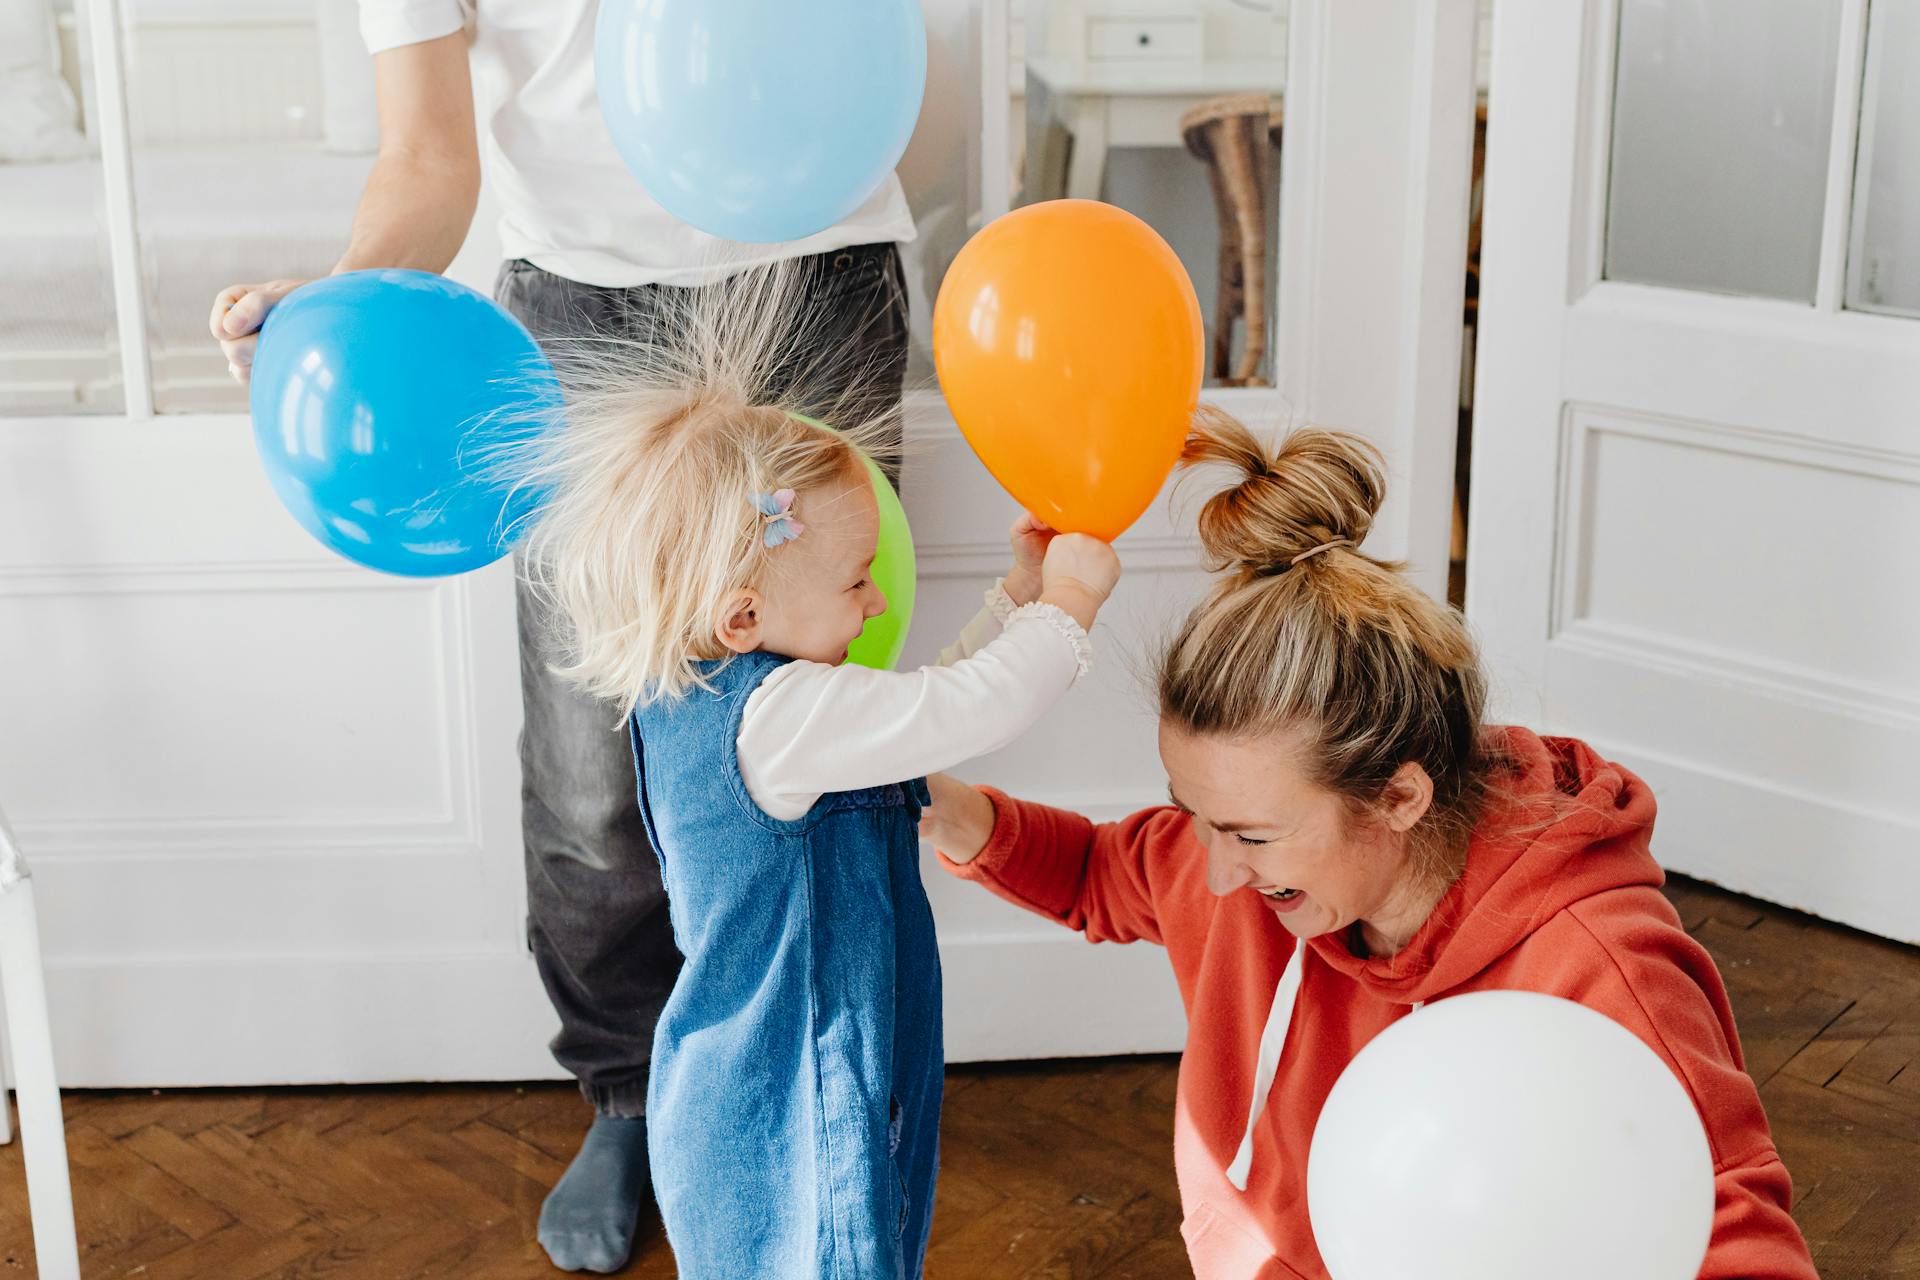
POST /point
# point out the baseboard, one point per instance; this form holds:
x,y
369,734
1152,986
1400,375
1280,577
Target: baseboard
x,y
364,1020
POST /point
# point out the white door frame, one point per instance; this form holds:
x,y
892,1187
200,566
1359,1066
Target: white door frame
x,y
1373,246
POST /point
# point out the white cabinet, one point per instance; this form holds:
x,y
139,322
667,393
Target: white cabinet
x,y
1168,38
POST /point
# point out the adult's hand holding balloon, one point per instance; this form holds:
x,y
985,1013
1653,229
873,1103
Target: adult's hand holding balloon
x,y
380,399
761,120
1504,1135
1068,342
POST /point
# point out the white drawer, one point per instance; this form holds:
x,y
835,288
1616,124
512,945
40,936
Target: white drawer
x,y
1171,38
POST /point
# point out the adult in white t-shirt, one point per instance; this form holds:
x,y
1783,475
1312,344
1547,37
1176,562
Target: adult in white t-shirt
x,y
588,254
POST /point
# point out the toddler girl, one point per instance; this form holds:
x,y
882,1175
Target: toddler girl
x,y
710,552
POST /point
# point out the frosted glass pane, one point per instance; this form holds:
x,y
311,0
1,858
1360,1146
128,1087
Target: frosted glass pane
x,y
59,347
1883,268
1721,127
226,196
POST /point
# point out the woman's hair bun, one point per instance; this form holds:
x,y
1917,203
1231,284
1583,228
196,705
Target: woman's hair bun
x,y
1316,487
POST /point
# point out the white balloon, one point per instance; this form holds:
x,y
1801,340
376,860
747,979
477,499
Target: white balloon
x,y
1505,1135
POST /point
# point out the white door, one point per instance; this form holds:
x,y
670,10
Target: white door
x,y
1696,452
271,799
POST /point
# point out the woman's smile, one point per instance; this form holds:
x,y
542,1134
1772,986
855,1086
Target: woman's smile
x,y
1282,900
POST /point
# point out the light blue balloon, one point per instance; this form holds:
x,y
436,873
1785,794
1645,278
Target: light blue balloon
x,y
761,120
382,403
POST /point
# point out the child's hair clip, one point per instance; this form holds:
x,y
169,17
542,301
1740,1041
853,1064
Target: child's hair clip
x,y
774,509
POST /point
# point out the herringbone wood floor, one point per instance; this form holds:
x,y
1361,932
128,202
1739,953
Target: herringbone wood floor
x,y
1049,1170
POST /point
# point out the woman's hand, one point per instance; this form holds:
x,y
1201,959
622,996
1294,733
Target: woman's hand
x,y
1030,538
1078,575
238,312
960,821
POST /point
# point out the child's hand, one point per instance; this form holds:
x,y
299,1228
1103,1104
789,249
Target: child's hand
x,y
960,822
1078,574
1030,538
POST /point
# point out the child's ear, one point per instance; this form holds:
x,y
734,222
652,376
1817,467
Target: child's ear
x,y
739,626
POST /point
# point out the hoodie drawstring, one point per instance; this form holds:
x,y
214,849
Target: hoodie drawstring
x,y
1273,1042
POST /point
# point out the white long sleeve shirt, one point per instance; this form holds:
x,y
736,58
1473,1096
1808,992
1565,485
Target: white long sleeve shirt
x,y
811,728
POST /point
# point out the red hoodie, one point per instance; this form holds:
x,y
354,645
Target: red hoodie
x,y
1560,896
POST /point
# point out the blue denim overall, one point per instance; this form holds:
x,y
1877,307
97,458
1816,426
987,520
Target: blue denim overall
x,y
794,1109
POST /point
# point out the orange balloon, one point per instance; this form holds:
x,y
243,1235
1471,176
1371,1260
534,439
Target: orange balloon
x,y
1068,342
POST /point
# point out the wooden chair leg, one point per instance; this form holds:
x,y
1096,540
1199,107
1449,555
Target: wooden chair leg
x,y
1243,172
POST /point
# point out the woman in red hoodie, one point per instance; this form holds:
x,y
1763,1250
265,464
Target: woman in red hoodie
x,y
1347,842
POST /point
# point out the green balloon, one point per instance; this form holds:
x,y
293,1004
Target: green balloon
x,y
881,642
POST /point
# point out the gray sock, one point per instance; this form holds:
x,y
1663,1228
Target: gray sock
x,y
589,1218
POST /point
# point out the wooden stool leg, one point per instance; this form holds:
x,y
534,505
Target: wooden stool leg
x,y
1242,171
1230,136
1226,303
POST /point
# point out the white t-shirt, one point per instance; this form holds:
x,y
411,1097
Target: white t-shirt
x,y
568,204
810,729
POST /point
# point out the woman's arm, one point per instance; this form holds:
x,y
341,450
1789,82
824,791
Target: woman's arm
x,y
1661,984
1754,1236
1098,878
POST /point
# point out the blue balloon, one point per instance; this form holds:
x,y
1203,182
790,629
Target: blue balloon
x,y
761,120
382,402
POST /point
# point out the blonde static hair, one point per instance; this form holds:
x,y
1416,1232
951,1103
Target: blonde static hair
x,y
1326,643
646,527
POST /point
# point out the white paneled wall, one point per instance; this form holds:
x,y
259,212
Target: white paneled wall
x,y
269,796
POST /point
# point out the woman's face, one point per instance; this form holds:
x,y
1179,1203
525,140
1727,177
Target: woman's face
x,y
1268,830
